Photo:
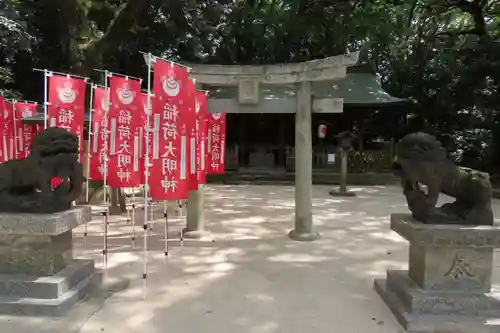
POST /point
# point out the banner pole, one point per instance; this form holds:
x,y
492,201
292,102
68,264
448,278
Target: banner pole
x,y
45,97
146,174
26,101
89,140
61,74
105,177
16,137
165,215
133,223
118,74
127,204
152,211
153,57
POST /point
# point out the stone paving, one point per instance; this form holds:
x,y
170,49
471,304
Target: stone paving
x,y
247,276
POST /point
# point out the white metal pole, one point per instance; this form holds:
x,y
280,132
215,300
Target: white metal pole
x,y
89,140
165,214
16,138
133,222
151,211
46,75
105,177
146,171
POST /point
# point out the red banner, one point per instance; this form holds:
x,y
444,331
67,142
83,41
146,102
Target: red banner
x,y
124,121
216,143
67,104
201,136
4,154
8,133
97,151
169,175
25,132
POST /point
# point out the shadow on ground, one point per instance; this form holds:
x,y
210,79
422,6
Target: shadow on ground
x,y
248,276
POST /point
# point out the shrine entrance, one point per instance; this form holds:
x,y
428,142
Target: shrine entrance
x,y
270,91
257,143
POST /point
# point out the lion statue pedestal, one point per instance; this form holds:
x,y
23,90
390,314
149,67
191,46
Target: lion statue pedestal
x,y
38,274
447,287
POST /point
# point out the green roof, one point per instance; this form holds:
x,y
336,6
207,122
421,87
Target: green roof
x,y
355,89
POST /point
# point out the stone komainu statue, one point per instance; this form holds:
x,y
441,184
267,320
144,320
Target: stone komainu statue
x,y
421,159
25,185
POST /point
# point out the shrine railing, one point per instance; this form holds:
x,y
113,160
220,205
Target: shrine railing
x,y
376,161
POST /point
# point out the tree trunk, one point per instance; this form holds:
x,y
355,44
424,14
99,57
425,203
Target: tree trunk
x,y
88,53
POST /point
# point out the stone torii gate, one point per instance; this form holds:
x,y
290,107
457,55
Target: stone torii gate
x,y
247,79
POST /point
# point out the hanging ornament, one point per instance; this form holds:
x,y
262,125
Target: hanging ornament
x,y
322,131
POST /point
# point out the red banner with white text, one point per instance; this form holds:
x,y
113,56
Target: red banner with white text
x,y
8,133
25,132
98,150
67,104
4,153
201,136
124,121
169,174
216,143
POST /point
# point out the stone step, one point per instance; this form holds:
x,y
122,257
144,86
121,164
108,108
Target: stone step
x,y
415,322
415,299
46,287
49,307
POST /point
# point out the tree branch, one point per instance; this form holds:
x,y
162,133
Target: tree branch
x,y
71,12
115,34
74,24
458,33
122,23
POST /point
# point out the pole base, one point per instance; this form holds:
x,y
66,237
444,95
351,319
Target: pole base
x,y
303,236
194,234
338,193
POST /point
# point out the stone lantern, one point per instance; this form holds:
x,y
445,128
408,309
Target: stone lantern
x,y
344,144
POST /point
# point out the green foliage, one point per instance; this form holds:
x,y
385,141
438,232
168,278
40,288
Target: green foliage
x,y
443,55
13,40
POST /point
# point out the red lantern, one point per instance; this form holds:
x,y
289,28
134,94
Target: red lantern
x,y
322,131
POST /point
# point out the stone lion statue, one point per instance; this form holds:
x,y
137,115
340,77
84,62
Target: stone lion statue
x,y
422,160
25,185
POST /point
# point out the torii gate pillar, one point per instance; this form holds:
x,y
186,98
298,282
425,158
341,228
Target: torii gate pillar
x,y
303,229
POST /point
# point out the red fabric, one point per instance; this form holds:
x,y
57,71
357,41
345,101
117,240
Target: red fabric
x,y
170,121
67,104
124,121
216,143
56,182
